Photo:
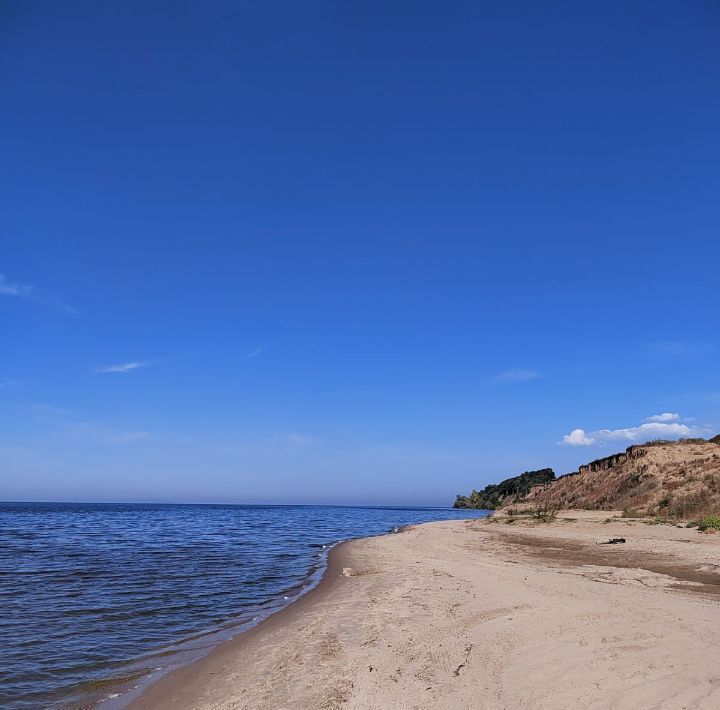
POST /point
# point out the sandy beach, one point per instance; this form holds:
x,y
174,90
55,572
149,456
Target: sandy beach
x,y
483,614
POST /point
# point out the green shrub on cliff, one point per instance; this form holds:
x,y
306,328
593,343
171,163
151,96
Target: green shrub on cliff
x,y
493,496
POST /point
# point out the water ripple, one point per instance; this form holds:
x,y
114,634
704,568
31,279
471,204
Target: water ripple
x,y
99,595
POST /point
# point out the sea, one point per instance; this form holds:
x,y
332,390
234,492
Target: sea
x,y
98,600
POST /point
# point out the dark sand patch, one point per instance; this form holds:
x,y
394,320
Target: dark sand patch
x,y
572,553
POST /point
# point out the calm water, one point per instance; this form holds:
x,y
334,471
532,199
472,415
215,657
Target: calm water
x,y
96,597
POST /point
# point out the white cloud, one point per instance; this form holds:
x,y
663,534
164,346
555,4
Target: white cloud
x,y
514,376
253,354
122,367
577,437
8,288
658,426
664,417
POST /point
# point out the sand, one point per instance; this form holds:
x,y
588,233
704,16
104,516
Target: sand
x,y
478,614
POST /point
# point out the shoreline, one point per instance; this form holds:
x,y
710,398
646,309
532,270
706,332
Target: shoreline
x,y
482,614
139,675
125,695
183,677
324,578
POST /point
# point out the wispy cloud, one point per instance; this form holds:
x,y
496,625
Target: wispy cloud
x,y
103,434
132,365
658,426
299,439
8,288
28,291
98,433
279,440
122,367
52,301
514,376
252,354
57,425
680,348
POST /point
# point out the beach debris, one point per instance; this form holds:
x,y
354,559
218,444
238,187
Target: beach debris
x,y
611,541
468,649
349,572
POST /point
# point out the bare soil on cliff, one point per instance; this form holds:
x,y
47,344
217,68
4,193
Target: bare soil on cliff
x,y
679,479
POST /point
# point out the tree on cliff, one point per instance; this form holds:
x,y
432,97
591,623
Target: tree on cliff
x,y
494,495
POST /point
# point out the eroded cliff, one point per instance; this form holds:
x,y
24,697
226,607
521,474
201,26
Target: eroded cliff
x,y
660,478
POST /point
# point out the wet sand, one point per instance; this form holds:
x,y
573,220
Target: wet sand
x,y
483,615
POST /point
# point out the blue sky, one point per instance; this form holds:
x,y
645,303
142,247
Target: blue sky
x,y
351,252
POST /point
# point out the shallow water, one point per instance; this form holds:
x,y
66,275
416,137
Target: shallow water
x,y
94,595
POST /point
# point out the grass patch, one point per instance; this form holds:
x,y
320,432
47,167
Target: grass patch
x,y
544,513
710,522
660,520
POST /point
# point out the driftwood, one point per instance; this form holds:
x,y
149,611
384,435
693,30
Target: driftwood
x,y
611,541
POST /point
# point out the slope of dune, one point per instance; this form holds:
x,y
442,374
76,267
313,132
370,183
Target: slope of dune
x,y
659,478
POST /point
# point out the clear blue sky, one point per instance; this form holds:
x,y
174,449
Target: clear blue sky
x,y
358,252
